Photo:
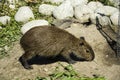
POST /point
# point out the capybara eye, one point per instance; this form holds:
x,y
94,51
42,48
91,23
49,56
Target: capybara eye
x,y
81,44
87,51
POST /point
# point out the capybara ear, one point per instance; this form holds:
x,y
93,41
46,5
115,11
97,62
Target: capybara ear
x,y
82,38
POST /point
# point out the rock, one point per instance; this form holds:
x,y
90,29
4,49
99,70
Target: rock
x,y
65,23
32,24
55,1
94,5
12,3
12,6
104,20
46,9
107,10
78,2
114,18
6,48
93,17
65,10
4,19
115,2
24,14
83,13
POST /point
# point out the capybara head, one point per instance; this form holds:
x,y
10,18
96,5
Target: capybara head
x,y
84,51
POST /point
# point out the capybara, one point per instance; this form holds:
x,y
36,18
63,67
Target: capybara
x,y
50,41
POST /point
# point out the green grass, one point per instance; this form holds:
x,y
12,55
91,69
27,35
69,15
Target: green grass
x,y
67,74
11,31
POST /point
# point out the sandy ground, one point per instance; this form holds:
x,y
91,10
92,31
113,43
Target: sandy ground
x,y
105,63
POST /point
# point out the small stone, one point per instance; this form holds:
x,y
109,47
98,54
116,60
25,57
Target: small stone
x,y
12,6
6,48
4,19
45,69
24,14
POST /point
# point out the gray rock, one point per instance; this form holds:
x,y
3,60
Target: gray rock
x,y
115,2
65,10
104,20
107,10
78,2
65,23
32,24
83,13
114,18
23,14
4,19
46,9
94,5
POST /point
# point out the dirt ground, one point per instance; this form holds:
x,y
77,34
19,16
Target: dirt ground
x,y
105,63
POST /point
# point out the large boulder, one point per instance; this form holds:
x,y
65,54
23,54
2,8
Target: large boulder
x,y
78,2
32,24
4,19
24,14
46,9
83,13
65,10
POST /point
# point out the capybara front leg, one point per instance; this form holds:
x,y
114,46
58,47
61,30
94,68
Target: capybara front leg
x,y
24,58
68,58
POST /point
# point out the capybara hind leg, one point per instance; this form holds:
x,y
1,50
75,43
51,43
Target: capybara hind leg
x,y
24,58
68,58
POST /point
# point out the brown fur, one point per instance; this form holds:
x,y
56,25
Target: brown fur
x,y
50,41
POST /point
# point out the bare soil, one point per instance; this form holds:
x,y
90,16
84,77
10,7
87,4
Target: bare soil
x,y
105,63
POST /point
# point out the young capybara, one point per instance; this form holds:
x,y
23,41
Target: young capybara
x,y
50,41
